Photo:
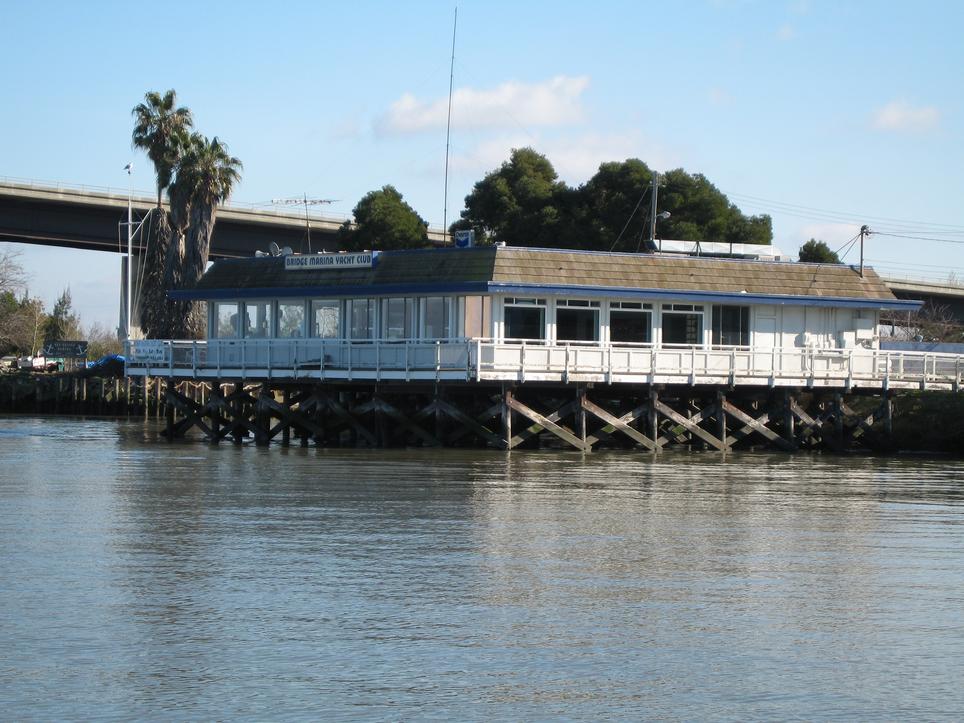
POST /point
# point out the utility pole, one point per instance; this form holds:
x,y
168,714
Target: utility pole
x,y
130,246
652,213
864,231
448,130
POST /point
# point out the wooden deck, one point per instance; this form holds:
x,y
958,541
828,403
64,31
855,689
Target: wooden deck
x,y
486,360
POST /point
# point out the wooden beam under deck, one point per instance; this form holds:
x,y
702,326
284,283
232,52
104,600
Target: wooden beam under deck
x,y
583,418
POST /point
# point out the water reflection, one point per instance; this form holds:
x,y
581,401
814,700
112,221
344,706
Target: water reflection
x,y
164,580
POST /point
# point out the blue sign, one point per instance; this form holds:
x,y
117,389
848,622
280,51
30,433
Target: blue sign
x,y
465,239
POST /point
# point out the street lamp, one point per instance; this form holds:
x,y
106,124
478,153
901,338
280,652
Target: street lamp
x,y
662,216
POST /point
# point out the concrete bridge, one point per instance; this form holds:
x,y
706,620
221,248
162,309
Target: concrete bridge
x,y
950,296
88,219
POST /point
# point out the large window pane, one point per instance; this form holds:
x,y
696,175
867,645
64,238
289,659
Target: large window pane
x,y
325,319
226,320
291,319
522,322
731,325
682,328
577,324
436,318
257,319
398,317
635,327
362,317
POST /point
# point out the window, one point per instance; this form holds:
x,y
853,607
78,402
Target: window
x,y
257,319
630,322
325,318
436,317
731,325
398,318
291,319
682,324
577,320
362,315
225,320
525,318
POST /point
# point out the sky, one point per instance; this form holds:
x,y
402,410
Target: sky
x,y
825,115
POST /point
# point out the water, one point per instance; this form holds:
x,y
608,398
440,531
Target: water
x,y
145,580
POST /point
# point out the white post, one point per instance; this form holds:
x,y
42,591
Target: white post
x,y
130,246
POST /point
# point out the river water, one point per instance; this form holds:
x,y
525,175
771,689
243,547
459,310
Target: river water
x,y
140,579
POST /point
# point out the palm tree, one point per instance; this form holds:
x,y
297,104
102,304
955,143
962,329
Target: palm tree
x,y
204,178
160,129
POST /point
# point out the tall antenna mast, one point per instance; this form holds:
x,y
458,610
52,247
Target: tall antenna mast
x,y
307,202
448,129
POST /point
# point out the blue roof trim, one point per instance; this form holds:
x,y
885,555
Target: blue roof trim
x,y
288,292
723,297
493,287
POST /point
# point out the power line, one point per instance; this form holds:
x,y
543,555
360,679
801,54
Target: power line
x,y
920,238
782,205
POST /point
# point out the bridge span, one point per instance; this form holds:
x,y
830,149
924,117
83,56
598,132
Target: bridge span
x,y
88,219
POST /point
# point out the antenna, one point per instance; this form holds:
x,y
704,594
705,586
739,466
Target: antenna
x,y
448,130
307,202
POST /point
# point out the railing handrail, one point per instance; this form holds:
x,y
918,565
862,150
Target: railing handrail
x,y
476,356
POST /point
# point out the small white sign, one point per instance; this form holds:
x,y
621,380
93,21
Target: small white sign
x,y
316,262
148,350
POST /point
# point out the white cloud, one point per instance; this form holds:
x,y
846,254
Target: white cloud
x,y
576,158
554,102
899,115
786,32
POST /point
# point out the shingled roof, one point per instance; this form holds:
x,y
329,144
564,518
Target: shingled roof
x,y
526,270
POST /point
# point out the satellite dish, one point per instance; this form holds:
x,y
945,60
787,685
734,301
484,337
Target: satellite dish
x,y
275,250
286,251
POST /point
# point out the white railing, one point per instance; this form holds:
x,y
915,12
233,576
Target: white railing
x,y
486,359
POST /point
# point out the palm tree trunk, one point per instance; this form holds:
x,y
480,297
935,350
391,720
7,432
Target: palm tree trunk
x,y
153,292
197,249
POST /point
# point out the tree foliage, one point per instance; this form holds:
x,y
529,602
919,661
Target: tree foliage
x,y
161,130
199,175
817,252
523,203
383,220
22,324
62,322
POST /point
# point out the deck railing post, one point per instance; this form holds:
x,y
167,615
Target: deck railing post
x,y
522,371
478,359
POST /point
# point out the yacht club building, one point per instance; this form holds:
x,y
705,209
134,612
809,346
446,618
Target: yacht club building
x,y
504,313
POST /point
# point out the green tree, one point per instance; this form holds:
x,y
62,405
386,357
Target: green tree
x,y
521,203
62,322
817,252
383,220
524,204
616,206
701,212
22,323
